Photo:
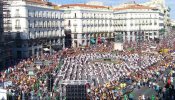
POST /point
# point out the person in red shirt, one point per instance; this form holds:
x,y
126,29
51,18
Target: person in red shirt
x,y
169,82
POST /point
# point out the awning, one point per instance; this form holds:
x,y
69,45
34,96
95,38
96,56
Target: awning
x,y
92,40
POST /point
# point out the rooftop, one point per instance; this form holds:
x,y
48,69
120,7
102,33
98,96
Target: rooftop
x,y
83,5
135,6
41,2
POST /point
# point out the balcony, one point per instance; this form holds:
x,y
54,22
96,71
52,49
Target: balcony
x,y
17,27
7,28
17,15
84,25
7,16
74,24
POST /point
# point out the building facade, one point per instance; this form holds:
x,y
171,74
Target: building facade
x,y
1,33
160,4
134,20
36,27
6,45
88,23
1,21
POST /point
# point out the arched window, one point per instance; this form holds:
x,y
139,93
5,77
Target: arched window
x,y
69,23
17,23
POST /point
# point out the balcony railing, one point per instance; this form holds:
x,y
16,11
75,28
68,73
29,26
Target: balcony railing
x,y
18,27
17,15
7,28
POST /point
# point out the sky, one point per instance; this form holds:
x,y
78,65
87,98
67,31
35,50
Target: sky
x,y
170,3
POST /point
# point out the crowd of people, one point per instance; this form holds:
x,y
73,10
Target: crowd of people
x,y
149,76
112,80
22,82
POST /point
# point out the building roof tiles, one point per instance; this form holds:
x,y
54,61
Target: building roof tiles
x,y
136,6
41,2
83,5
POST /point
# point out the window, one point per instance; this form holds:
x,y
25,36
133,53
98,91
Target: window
x,y
69,23
17,13
36,14
75,36
131,34
35,23
39,34
126,34
19,53
56,15
130,38
47,15
155,33
35,34
17,23
29,13
75,15
48,24
40,14
155,23
83,35
75,29
29,24
30,52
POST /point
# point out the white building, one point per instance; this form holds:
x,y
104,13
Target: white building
x,y
128,20
88,23
160,4
36,24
